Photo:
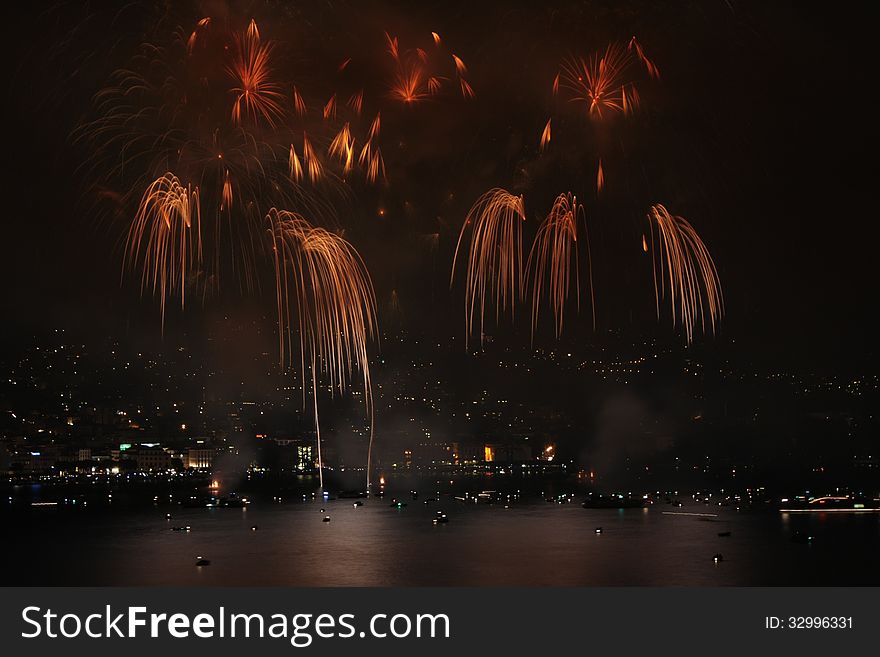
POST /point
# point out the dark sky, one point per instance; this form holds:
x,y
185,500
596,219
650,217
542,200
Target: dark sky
x,y
761,132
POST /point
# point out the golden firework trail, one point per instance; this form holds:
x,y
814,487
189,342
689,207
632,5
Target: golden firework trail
x,y
552,258
494,262
459,65
375,126
436,38
545,136
330,108
313,164
323,294
466,89
366,152
683,269
434,85
193,37
256,95
356,102
652,69
600,178
253,31
296,170
376,168
164,241
342,143
299,105
226,194
393,46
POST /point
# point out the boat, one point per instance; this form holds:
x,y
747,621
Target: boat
x,y
830,504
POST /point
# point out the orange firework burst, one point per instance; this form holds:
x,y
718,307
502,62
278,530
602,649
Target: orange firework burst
x,y
323,293
256,95
552,257
408,82
494,266
683,268
164,241
419,74
605,82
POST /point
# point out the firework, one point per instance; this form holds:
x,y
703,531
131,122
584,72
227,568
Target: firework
x,y
375,126
604,82
434,85
342,143
356,102
325,295
164,240
408,83
256,95
684,270
459,65
376,168
299,105
296,170
545,135
419,74
313,164
330,108
494,264
552,258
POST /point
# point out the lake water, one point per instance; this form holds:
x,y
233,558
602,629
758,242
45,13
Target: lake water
x,y
532,543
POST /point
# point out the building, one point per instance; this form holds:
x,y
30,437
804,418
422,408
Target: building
x,y
201,458
152,457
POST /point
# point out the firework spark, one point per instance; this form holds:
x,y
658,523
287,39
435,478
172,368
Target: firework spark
x,y
299,105
330,108
494,265
313,164
296,170
545,135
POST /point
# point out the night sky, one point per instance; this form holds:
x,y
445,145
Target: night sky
x,y
760,131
